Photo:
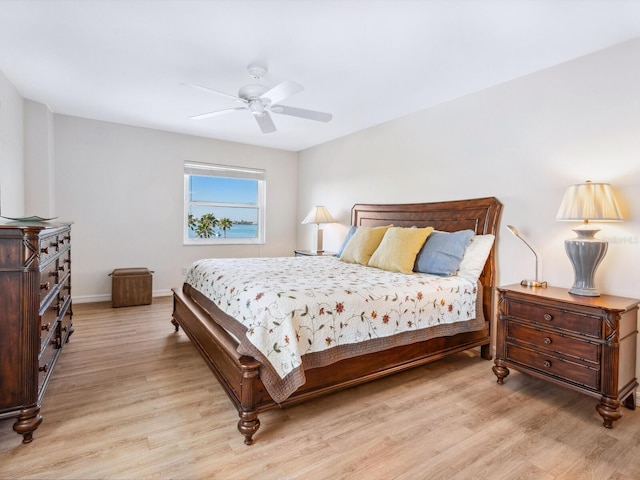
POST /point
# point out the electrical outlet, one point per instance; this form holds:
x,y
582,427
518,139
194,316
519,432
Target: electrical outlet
x,y
185,270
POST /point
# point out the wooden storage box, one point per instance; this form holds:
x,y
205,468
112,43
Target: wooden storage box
x,y
131,286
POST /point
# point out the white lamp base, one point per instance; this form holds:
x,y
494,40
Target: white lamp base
x,y
319,246
585,253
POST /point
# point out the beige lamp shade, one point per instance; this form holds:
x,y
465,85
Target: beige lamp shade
x,y
318,215
589,202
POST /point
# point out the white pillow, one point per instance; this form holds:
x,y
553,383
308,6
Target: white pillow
x,y
475,256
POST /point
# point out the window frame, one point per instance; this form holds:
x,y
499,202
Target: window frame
x,y
225,171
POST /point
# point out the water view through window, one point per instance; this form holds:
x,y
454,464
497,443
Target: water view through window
x,y
221,207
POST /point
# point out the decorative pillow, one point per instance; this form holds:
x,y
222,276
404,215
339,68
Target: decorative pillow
x,y
364,242
443,252
475,257
398,249
350,233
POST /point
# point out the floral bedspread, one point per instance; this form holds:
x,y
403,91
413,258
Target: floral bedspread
x,y
291,307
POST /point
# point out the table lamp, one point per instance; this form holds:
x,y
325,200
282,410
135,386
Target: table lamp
x,y
587,202
528,283
319,215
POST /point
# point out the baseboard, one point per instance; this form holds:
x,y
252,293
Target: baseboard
x,y
106,297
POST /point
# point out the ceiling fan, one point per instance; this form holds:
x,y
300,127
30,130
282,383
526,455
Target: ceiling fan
x,y
260,100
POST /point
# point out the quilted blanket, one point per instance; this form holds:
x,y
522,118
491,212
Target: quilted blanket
x,y
293,313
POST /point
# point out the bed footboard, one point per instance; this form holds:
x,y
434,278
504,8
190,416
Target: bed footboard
x,y
238,374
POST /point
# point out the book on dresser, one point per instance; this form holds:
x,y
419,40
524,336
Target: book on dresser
x,y
35,315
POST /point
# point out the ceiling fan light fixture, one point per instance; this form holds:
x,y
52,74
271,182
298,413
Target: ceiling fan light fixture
x,y
256,107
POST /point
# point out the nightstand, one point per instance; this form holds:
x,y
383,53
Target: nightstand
x,y
587,344
313,253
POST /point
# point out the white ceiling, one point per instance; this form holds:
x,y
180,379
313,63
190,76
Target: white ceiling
x,y
365,61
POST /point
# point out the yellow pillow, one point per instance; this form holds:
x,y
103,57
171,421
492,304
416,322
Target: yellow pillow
x,y
362,245
399,248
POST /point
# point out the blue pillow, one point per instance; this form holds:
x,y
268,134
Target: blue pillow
x,y
350,233
443,252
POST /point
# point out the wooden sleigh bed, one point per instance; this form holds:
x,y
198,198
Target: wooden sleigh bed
x,y
240,375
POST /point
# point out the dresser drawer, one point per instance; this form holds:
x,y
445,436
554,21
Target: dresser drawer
x,y
556,318
45,363
553,342
554,366
49,247
65,318
48,325
48,280
64,263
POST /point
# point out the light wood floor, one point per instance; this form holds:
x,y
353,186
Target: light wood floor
x,y
132,399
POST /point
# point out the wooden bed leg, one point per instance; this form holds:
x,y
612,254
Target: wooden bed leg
x,y
173,318
248,425
485,351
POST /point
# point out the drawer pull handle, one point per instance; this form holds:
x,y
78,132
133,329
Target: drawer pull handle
x,y
44,368
45,286
546,364
547,340
61,268
44,250
45,327
548,317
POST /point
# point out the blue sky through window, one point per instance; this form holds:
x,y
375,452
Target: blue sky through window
x,y
237,191
224,190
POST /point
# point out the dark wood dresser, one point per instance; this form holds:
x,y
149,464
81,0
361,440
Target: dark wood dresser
x,y
35,315
584,343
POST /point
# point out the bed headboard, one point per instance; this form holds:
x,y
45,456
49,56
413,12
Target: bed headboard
x,y
482,215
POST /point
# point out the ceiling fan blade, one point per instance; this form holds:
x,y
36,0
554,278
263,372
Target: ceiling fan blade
x,y
282,91
265,122
211,90
216,113
302,113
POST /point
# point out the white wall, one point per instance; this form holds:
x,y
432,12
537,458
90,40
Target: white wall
x,y
524,142
39,160
11,150
123,188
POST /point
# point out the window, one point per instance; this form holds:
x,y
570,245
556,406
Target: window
x,y
223,204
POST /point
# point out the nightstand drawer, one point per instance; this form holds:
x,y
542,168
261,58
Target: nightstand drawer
x,y
553,342
556,318
554,366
